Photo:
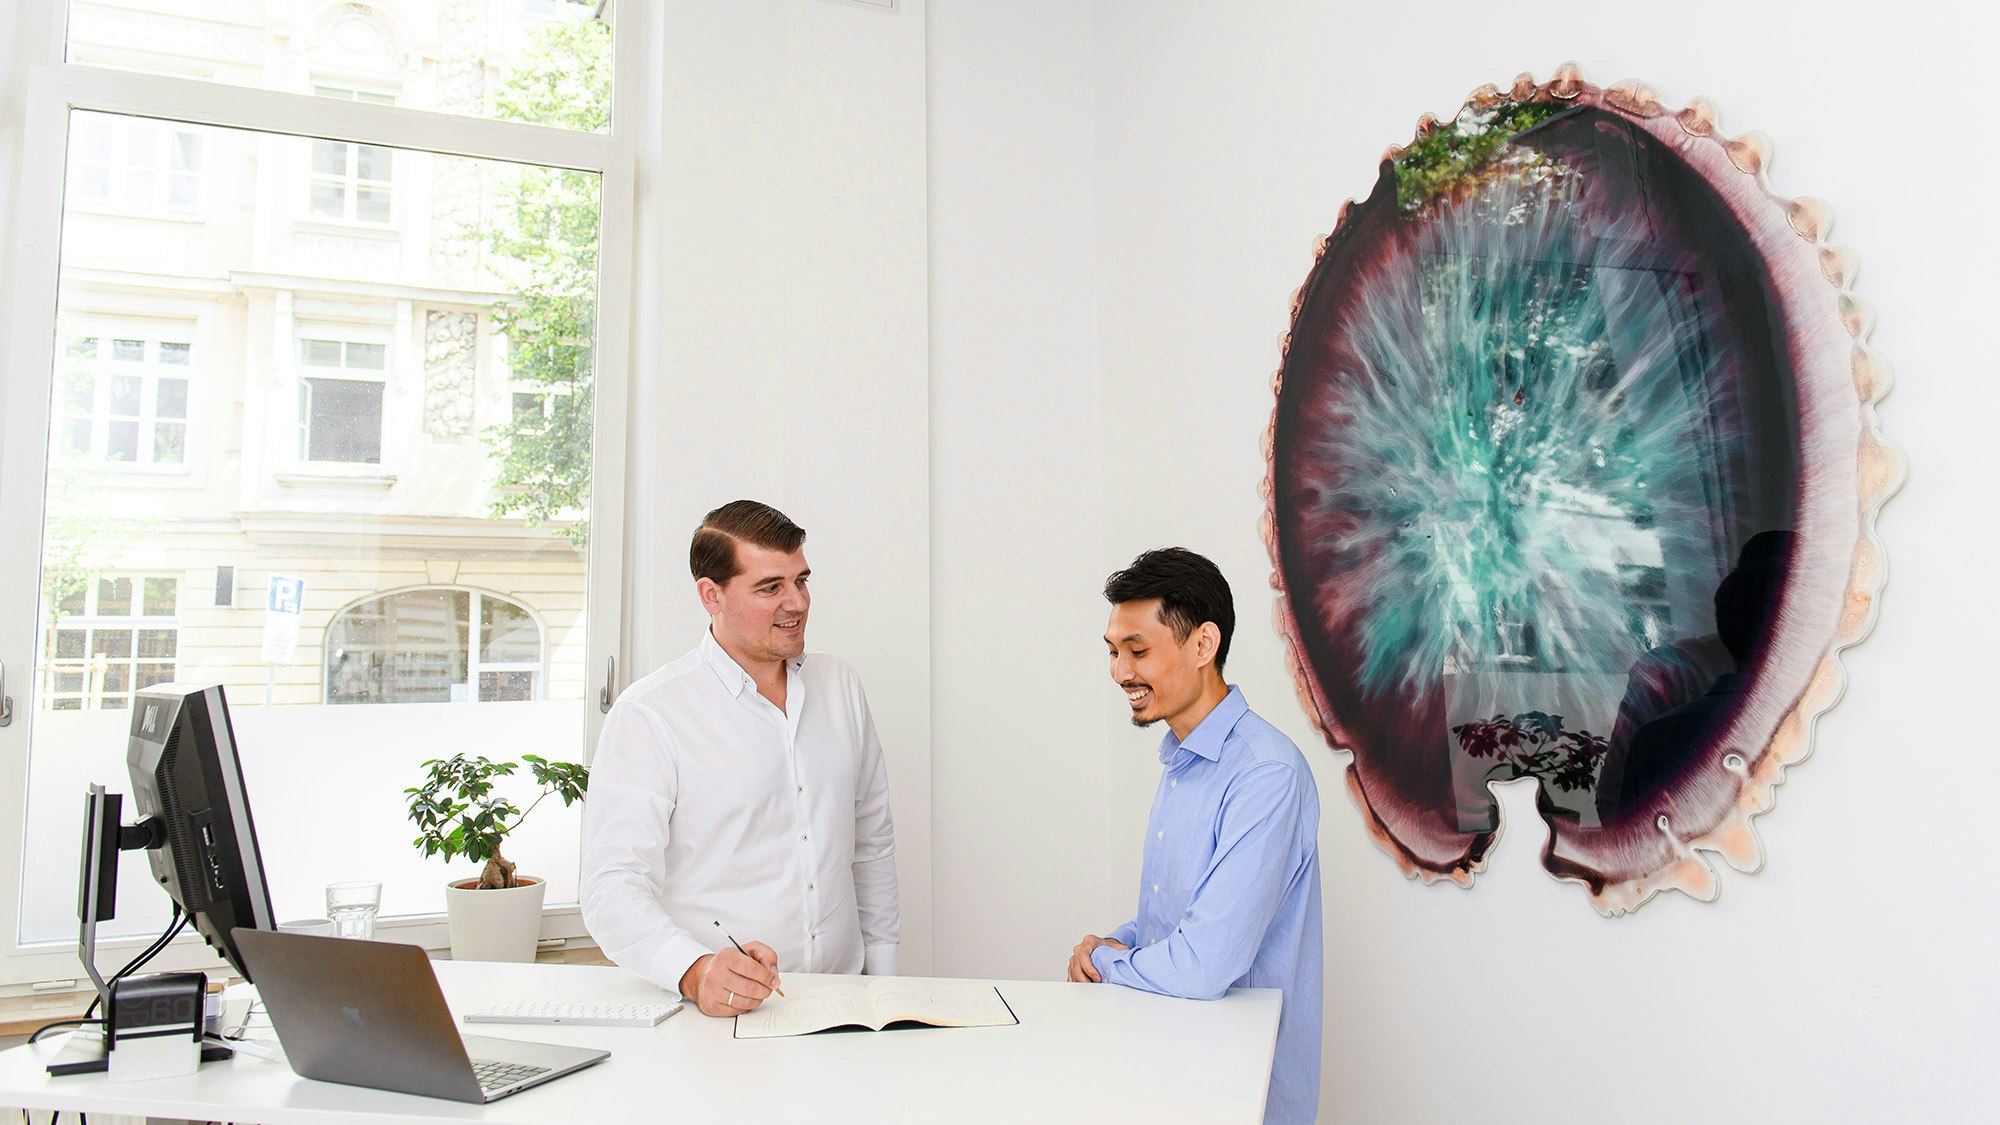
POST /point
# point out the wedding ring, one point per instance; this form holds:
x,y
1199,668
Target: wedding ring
x,y
732,999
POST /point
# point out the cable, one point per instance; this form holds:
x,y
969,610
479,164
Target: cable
x,y
178,923
48,1027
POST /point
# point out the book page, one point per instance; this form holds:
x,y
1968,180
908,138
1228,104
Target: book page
x,y
807,1010
939,1002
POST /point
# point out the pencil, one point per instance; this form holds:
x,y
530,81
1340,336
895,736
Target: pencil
x,y
746,953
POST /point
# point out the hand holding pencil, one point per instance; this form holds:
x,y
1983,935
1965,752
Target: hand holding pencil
x,y
733,981
771,962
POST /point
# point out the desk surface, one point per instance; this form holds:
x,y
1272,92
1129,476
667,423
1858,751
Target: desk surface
x,y
1080,1053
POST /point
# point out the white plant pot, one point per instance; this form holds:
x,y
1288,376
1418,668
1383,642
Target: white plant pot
x,y
499,924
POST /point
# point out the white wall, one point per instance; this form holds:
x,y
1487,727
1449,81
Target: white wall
x,y
783,355
1018,486
1853,979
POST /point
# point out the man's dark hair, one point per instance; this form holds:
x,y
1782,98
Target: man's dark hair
x,y
712,555
1191,590
1746,604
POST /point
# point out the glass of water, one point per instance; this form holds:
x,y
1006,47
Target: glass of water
x,y
352,907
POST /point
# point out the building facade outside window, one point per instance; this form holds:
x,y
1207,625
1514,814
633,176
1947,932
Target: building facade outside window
x,y
436,645
125,400
350,181
340,400
112,635
309,386
136,164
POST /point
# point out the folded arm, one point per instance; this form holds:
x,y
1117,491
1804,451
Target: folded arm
x,y
1256,858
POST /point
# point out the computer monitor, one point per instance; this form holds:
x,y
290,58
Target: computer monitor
x,y
184,769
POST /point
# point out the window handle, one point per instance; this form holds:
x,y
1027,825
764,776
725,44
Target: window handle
x,y
604,697
6,701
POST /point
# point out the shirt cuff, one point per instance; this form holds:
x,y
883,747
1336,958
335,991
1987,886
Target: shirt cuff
x,y
671,963
879,960
1103,956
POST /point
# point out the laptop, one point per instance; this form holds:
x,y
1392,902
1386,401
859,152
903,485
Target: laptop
x,y
370,1013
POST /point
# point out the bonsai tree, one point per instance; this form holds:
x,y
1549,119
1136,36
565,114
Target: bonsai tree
x,y
457,812
1534,744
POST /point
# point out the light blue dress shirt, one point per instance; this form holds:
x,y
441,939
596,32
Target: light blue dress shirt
x,y
1229,890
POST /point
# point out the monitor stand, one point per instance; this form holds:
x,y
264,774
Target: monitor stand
x,y
85,1053
103,838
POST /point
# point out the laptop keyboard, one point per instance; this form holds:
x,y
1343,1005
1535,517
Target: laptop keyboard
x,y
499,1075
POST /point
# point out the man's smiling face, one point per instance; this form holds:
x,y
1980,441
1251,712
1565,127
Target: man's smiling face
x,y
1161,673
759,616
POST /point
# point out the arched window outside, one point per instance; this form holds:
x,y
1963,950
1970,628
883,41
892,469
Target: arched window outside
x,y
434,645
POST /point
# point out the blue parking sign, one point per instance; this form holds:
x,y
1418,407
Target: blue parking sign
x,y
286,594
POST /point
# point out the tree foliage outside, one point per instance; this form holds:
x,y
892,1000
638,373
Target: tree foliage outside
x,y
78,541
543,243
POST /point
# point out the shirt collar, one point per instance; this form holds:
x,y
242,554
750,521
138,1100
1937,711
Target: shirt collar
x,y
1208,735
734,678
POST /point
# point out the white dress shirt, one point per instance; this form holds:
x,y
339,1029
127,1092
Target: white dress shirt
x,y
709,804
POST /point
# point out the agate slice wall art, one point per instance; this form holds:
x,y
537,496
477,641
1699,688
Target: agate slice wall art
x,y
1574,469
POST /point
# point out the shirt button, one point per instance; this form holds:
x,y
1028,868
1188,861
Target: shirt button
x,y
1160,835
804,837
1173,783
1156,888
802,788
812,886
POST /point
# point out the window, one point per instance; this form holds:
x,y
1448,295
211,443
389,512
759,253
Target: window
x,y
111,635
535,406
450,56
531,411
135,163
284,362
350,181
125,400
340,400
434,646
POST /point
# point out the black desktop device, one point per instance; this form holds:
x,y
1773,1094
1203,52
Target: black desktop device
x,y
195,827
185,772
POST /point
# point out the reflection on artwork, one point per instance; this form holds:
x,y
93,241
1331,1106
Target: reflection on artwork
x,y
1573,474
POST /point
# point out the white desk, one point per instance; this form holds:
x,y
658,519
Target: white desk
x,y
1081,1052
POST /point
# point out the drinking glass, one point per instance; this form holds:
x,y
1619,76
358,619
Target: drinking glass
x,y
352,907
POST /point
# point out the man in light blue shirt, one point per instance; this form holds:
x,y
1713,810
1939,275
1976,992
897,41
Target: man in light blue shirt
x,y
1229,887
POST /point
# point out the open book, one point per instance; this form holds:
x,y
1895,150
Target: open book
x,y
877,1004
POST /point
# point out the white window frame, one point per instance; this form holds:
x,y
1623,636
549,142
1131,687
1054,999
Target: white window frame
x,y
159,202
349,181
347,373
56,88
149,371
94,619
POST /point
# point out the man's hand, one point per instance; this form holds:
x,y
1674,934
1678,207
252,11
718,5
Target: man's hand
x,y
1080,968
730,984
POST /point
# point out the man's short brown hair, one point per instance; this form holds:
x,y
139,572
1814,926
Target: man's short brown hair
x,y
712,555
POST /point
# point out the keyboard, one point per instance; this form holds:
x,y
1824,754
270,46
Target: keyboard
x,y
585,1015
495,1076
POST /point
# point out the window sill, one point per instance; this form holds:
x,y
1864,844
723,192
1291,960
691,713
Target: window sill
x,y
160,215
311,478
321,224
134,472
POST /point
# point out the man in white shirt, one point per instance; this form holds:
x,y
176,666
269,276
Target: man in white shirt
x,y
741,791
